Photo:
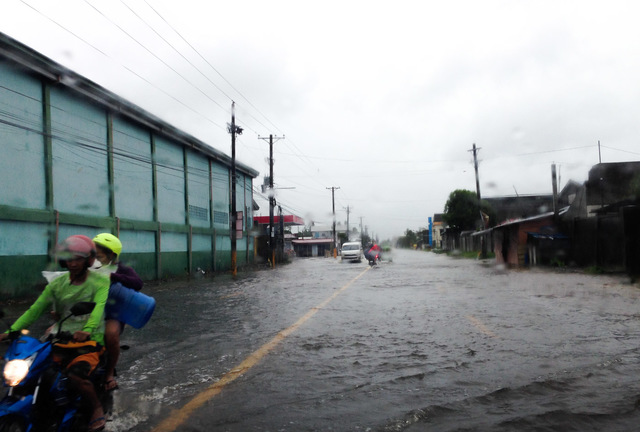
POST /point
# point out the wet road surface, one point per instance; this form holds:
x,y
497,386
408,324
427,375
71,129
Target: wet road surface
x,y
426,342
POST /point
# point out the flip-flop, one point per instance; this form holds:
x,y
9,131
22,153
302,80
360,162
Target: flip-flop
x,y
97,428
111,385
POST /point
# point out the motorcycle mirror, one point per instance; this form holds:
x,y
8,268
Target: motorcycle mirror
x,y
82,308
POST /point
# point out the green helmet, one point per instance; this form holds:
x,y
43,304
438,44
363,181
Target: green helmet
x,y
108,241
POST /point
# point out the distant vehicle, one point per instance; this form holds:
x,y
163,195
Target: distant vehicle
x,y
351,251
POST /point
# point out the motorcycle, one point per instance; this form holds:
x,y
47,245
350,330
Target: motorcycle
x,y
373,257
39,397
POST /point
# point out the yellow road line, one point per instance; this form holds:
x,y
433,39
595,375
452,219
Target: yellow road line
x,y
476,322
179,416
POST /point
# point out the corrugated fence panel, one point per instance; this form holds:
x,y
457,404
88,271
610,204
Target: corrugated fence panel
x,y
23,238
199,214
138,251
223,252
174,254
133,176
221,205
69,123
23,255
248,204
65,231
201,252
170,178
22,162
80,180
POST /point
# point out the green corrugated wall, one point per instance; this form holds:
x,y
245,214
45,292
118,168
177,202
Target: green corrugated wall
x,y
70,166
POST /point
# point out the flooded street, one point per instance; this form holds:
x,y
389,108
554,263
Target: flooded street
x,y
425,342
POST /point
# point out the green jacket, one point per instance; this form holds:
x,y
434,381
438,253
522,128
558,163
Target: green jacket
x,y
59,295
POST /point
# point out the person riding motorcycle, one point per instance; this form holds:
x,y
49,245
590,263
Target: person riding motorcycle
x,y
80,356
373,251
109,248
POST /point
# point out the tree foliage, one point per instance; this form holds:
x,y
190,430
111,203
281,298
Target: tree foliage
x,y
408,240
461,212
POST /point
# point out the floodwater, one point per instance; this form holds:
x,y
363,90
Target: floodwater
x,y
425,342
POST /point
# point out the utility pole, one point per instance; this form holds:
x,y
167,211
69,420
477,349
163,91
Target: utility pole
x,y
333,200
233,130
599,153
347,223
272,201
475,164
554,185
361,232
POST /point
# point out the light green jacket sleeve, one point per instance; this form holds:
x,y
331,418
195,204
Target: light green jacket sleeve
x,y
96,318
42,304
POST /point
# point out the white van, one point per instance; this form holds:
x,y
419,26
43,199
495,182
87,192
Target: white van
x,y
351,251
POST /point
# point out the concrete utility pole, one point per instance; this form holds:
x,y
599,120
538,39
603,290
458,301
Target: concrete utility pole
x,y
233,130
272,201
347,223
333,200
554,185
475,164
599,153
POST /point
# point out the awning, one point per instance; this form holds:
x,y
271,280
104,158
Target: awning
x,y
288,220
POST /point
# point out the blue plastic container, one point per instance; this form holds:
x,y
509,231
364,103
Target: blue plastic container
x,y
129,306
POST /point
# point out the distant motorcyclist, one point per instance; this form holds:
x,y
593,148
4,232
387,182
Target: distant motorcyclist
x,y
373,253
80,356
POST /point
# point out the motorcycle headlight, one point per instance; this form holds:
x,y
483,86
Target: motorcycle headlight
x,y
16,370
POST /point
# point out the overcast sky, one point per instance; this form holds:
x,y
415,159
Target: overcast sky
x,y
381,99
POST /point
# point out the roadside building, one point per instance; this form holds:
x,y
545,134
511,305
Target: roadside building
x,y
612,183
312,247
605,222
437,227
319,243
514,207
321,231
78,159
282,237
530,241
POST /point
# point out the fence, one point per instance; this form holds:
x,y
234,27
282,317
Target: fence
x,y
77,159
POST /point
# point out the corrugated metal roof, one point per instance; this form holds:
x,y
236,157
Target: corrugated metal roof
x,y
532,218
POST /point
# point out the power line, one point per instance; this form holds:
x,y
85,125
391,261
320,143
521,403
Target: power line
x,y
620,150
154,55
122,65
300,155
215,70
